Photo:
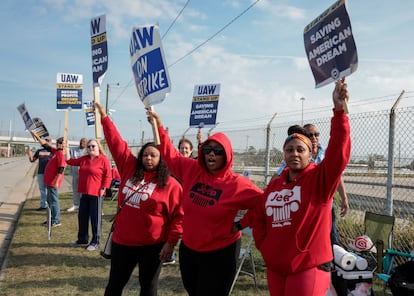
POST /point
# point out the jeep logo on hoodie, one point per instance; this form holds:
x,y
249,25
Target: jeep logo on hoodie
x,y
204,195
280,204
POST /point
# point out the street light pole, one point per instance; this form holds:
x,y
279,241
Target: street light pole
x,y
303,100
209,131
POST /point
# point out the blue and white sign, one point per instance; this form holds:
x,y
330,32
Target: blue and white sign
x,y
204,106
39,128
90,115
24,113
330,45
99,49
148,64
69,91
36,124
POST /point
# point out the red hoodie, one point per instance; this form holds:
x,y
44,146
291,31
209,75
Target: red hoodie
x,y
210,202
153,214
293,223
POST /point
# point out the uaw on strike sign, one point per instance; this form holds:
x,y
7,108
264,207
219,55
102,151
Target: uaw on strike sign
x,y
330,45
149,65
204,106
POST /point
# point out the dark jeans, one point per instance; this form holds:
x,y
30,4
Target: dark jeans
x,y
208,273
90,207
123,261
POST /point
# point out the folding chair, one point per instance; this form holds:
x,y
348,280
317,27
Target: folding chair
x,y
246,253
114,188
380,229
114,193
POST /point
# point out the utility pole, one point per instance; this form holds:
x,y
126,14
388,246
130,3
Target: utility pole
x,y
107,95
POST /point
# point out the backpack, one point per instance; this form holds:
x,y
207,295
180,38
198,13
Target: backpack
x,y
401,281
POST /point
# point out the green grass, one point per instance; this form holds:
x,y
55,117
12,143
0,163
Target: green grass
x,y
38,266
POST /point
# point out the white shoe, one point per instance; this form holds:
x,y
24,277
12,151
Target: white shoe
x,y
92,247
72,208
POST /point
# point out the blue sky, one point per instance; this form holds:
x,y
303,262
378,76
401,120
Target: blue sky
x,y
259,59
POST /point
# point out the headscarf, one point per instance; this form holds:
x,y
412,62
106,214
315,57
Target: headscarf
x,y
301,137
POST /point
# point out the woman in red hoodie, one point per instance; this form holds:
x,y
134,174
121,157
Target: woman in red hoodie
x,y
150,222
212,197
292,224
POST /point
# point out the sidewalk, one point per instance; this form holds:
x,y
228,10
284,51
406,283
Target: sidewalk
x,y
20,177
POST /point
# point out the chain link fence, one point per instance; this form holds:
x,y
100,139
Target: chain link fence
x,y
379,177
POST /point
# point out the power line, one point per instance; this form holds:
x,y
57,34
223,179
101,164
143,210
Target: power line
x,y
215,34
173,22
320,109
165,34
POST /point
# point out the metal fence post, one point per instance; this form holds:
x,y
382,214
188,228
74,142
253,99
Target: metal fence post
x,y
267,160
390,175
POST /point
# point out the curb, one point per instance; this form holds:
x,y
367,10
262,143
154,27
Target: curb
x,y
29,178
4,249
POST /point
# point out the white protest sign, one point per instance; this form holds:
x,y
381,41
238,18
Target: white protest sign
x,y
149,65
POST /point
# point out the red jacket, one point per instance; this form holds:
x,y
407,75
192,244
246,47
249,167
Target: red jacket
x,y
94,174
210,202
56,162
153,214
293,222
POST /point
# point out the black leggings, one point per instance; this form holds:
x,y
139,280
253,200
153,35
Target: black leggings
x,y
208,273
123,261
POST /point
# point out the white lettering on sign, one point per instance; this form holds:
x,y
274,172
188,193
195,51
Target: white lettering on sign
x,y
151,83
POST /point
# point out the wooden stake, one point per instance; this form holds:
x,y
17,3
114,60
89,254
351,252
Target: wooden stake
x,y
65,132
96,92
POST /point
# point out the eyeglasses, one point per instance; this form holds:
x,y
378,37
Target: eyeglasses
x,y
91,146
313,135
218,150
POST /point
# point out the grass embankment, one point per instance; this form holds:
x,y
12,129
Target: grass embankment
x,y
38,266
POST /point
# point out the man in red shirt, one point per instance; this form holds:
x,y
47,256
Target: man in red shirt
x,y
53,176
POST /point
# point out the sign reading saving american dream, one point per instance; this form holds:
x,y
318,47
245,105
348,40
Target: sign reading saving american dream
x,y
99,49
69,91
330,45
149,65
204,106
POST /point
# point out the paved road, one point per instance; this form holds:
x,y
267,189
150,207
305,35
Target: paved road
x,y
18,183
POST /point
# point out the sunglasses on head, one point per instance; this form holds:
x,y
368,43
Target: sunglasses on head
x,y
91,146
218,150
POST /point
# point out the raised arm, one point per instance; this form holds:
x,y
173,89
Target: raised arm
x,y
101,110
340,95
37,138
